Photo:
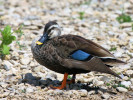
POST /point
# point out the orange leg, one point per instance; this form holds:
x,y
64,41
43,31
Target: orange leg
x,y
72,80
63,85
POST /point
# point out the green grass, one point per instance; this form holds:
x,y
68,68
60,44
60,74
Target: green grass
x,y
19,34
119,85
6,39
69,77
113,49
19,31
20,45
124,18
132,27
23,91
108,84
87,2
81,15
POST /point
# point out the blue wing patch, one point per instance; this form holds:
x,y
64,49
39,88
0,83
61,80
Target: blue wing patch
x,y
80,55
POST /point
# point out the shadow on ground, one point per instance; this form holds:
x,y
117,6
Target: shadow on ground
x,y
36,81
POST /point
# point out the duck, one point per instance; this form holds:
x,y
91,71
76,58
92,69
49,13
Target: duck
x,y
71,54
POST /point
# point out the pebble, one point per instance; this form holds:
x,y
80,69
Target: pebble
x,y
51,76
126,83
118,54
27,23
66,12
125,25
25,61
121,89
125,67
29,90
129,72
125,78
58,92
23,67
5,94
3,84
105,79
50,92
83,93
103,24
15,63
111,33
80,78
38,69
7,65
91,92
105,96
131,80
31,18
97,82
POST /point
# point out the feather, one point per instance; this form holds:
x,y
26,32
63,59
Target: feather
x,y
95,64
113,61
80,55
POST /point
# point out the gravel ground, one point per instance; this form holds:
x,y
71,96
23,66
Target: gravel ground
x,y
22,78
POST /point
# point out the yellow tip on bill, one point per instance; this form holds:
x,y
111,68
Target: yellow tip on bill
x,y
39,43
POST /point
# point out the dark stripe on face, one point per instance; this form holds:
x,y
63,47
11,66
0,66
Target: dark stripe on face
x,y
50,30
47,26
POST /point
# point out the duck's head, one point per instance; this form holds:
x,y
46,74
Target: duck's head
x,y
51,30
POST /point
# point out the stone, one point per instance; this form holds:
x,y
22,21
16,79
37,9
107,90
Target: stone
x,y
37,69
131,80
103,25
3,84
111,33
105,96
105,79
5,94
118,54
83,93
125,25
50,92
91,92
125,78
121,89
23,67
7,65
66,12
10,78
129,72
126,83
51,76
97,82
25,61
58,92
15,63
29,90
80,78
27,23
125,67
31,18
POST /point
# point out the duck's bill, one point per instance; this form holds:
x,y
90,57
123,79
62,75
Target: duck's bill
x,y
39,43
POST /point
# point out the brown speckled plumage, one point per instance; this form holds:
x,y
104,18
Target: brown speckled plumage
x,y
56,53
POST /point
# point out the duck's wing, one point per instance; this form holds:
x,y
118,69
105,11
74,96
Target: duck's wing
x,y
80,48
94,64
79,53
